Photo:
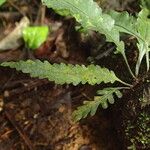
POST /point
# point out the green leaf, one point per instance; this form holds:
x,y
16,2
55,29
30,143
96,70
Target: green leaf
x,y
104,97
86,12
124,22
140,28
2,2
35,36
146,4
62,73
90,16
143,28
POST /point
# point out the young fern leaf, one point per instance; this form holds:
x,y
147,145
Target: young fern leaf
x,y
139,28
104,97
62,73
90,16
125,23
143,28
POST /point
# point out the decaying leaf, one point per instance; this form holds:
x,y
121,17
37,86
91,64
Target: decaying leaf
x,y
14,39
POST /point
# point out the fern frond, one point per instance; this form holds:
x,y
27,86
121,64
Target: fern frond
x,y
86,12
139,28
62,73
104,97
124,22
90,16
143,28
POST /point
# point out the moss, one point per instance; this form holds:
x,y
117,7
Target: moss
x,y
138,132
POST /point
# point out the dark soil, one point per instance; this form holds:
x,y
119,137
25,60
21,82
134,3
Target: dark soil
x,y
36,114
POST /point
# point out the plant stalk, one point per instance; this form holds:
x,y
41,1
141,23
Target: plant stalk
x,y
128,66
127,84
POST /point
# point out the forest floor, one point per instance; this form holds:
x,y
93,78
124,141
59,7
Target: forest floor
x,y
36,114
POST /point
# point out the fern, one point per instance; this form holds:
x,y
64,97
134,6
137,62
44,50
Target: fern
x,y
124,22
75,74
140,28
62,73
104,97
143,28
90,16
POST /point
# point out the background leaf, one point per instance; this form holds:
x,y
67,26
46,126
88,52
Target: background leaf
x,y
35,36
2,2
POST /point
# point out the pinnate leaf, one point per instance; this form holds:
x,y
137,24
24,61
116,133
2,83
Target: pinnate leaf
x,y
124,22
143,28
104,97
62,73
90,16
139,28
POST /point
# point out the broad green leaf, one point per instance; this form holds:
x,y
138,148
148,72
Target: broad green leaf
x,y
90,16
62,73
35,36
2,2
104,97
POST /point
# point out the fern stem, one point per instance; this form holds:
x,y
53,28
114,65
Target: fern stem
x,y
137,68
127,84
121,88
147,58
128,66
144,50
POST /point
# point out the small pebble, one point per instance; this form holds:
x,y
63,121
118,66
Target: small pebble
x,y
6,94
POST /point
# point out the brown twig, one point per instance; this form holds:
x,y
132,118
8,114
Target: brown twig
x,y
19,130
10,15
16,7
24,86
40,16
